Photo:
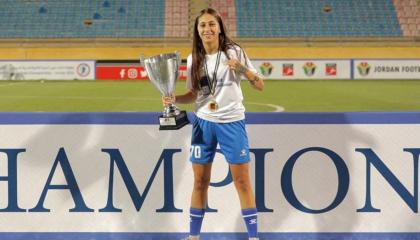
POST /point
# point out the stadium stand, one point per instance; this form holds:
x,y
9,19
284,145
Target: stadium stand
x,y
177,18
227,10
142,19
308,18
82,19
408,12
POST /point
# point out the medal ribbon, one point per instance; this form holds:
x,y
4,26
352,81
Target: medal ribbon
x,y
212,82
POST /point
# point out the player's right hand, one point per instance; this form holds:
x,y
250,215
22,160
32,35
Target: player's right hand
x,y
168,100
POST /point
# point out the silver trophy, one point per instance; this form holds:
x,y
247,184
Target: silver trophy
x,y
163,71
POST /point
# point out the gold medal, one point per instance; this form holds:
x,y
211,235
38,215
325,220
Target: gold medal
x,y
213,106
212,83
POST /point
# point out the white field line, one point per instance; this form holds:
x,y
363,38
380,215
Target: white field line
x,y
11,84
277,108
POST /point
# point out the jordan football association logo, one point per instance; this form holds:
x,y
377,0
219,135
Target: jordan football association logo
x,y
363,68
266,69
309,69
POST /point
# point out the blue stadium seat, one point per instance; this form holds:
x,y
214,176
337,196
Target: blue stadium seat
x,y
307,18
66,19
169,18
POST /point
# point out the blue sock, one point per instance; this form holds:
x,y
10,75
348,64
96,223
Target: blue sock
x,y
196,218
250,219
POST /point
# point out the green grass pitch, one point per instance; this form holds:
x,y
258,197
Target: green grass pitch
x,y
141,96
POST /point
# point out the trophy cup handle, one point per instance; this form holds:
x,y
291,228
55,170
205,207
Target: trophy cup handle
x,y
142,59
178,57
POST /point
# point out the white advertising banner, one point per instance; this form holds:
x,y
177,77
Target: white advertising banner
x,y
386,69
101,175
47,70
304,69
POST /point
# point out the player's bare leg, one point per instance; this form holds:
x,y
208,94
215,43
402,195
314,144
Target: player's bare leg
x,y
240,175
202,174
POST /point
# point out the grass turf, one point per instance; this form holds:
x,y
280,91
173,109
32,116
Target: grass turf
x,y
293,96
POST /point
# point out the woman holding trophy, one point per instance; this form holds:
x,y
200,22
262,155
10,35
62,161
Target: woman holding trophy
x,y
214,73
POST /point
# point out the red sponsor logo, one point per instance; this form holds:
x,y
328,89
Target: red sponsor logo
x,y
129,73
182,72
287,69
331,69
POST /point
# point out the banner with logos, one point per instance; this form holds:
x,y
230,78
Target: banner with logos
x,y
47,70
116,176
281,69
304,69
386,69
128,72
392,69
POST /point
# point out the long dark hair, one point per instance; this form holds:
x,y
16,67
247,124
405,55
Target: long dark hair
x,y
198,51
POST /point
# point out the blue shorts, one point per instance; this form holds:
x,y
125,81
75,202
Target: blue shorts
x,y
231,137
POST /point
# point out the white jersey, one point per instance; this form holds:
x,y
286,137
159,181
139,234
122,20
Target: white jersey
x,y
227,94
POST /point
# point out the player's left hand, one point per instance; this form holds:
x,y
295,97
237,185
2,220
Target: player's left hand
x,y
236,66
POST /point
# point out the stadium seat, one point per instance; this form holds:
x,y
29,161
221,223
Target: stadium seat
x,y
243,18
176,18
66,19
309,18
408,12
226,9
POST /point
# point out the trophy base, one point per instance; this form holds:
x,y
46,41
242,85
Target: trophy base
x,y
174,122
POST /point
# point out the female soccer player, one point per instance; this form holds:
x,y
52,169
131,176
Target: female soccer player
x,y
214,73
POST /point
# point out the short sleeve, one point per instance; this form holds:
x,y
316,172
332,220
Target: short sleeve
x,y
239,54
189,78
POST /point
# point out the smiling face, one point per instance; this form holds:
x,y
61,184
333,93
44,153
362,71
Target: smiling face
x,y
208,29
